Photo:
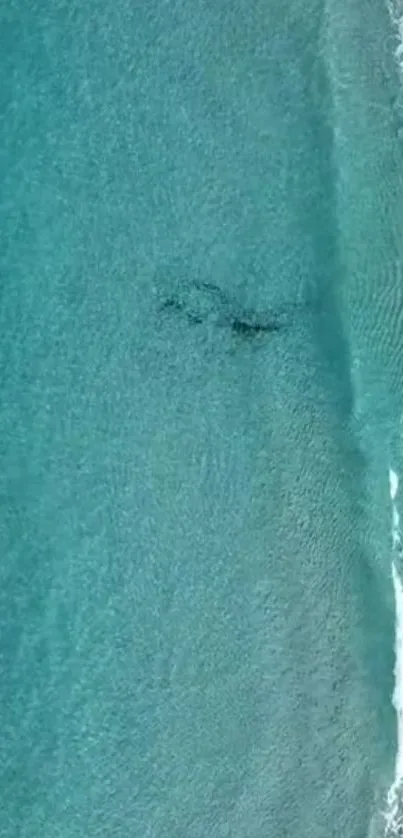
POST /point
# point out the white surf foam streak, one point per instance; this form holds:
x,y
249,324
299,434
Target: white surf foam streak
x,y
394,814
395,8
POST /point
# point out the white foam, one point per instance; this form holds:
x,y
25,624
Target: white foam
x,y
396,13
398,671
393,483
394,818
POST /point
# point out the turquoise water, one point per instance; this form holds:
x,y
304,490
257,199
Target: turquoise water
x,y
201,334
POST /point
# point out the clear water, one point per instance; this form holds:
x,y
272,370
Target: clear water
x,y
201,394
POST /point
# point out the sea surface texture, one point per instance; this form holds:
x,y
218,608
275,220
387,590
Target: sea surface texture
x,y
201,349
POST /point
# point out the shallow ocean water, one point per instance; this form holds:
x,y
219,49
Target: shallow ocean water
x,y
201,401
